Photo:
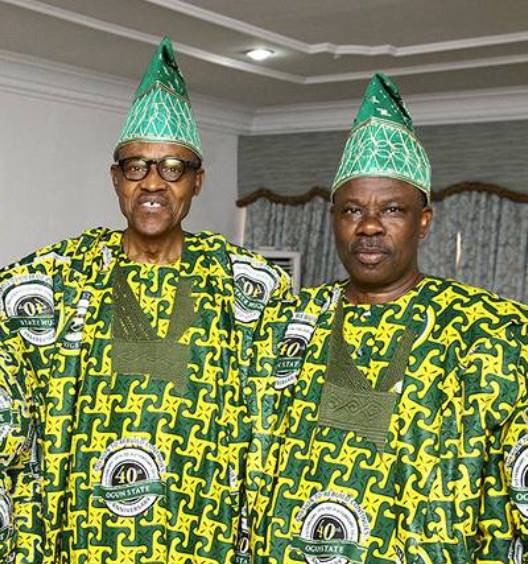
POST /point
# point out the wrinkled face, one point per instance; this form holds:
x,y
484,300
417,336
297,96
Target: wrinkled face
x,y
378,224
154,206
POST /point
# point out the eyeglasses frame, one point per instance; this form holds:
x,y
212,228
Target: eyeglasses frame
x,y
187,165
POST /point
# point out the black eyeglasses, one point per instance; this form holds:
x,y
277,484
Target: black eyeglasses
x,y
169,168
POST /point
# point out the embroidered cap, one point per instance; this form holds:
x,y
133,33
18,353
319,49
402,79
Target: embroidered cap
x,y
382,140
161,111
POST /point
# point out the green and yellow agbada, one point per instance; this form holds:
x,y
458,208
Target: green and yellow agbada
x,y
394,432
122,421
386,429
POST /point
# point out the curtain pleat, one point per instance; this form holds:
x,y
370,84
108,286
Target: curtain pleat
x,y
476,237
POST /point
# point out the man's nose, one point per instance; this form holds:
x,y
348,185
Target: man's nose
x,y
370,225
153,180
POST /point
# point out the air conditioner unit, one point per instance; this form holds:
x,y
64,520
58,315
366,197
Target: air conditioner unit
x,y
289,261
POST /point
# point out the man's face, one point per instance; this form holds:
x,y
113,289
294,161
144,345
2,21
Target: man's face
x,y
154,206
378,223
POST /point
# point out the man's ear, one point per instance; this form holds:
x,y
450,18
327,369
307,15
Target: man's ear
x,y
114,172
425,221
198,181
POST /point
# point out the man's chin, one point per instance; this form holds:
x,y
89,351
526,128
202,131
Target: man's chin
x,y
151,230
369,275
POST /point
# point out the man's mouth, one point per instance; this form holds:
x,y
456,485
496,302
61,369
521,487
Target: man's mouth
x,y
370,255
151,205
152,202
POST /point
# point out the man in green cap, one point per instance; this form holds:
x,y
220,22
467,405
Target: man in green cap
x,y
390,413
122,357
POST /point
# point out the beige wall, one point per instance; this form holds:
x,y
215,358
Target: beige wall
x,y
54,160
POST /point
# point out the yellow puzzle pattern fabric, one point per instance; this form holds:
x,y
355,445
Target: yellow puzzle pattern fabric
x,y
122,427
447,482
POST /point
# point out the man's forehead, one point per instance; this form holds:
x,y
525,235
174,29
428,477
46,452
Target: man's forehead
x,y
155,150
376,188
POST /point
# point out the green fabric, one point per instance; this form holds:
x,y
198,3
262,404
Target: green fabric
x,y
161,111
349,401
130,492
137,349
328,549
382,141
367,414
398,364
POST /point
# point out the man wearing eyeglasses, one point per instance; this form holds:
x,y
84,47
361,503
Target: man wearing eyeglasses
x,y
122,359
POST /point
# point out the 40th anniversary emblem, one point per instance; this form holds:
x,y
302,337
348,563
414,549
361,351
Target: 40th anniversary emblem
x,y
292,348
131,472
334,528
517,464
28,303
254,284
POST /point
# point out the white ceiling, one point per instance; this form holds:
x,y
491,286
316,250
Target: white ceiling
x,y
325,51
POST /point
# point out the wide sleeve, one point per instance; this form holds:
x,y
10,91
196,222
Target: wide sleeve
x,y
16,408
266,406
503,520
259,288
27,340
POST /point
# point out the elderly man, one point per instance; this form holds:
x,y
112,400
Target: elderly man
x,y
121,356
390,408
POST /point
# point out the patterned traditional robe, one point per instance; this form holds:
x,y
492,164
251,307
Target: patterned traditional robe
x,y
122,420
390,433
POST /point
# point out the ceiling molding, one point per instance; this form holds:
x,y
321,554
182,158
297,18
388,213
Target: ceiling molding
x,y
135,35
47,80
38,78
330,48
100,25
477,106
420,69
64,84
212,113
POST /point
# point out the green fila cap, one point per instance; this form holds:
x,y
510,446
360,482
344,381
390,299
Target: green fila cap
x,y
162,112
382,141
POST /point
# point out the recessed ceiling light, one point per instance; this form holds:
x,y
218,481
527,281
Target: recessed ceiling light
x,y
259,54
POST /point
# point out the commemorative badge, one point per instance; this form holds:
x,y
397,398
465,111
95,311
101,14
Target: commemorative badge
x,y
517,463
334,529
131,471
27,302
8,416
292,349
254,283
243,553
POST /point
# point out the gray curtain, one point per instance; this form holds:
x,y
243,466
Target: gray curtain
x,y
305,228
477,237
482,239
